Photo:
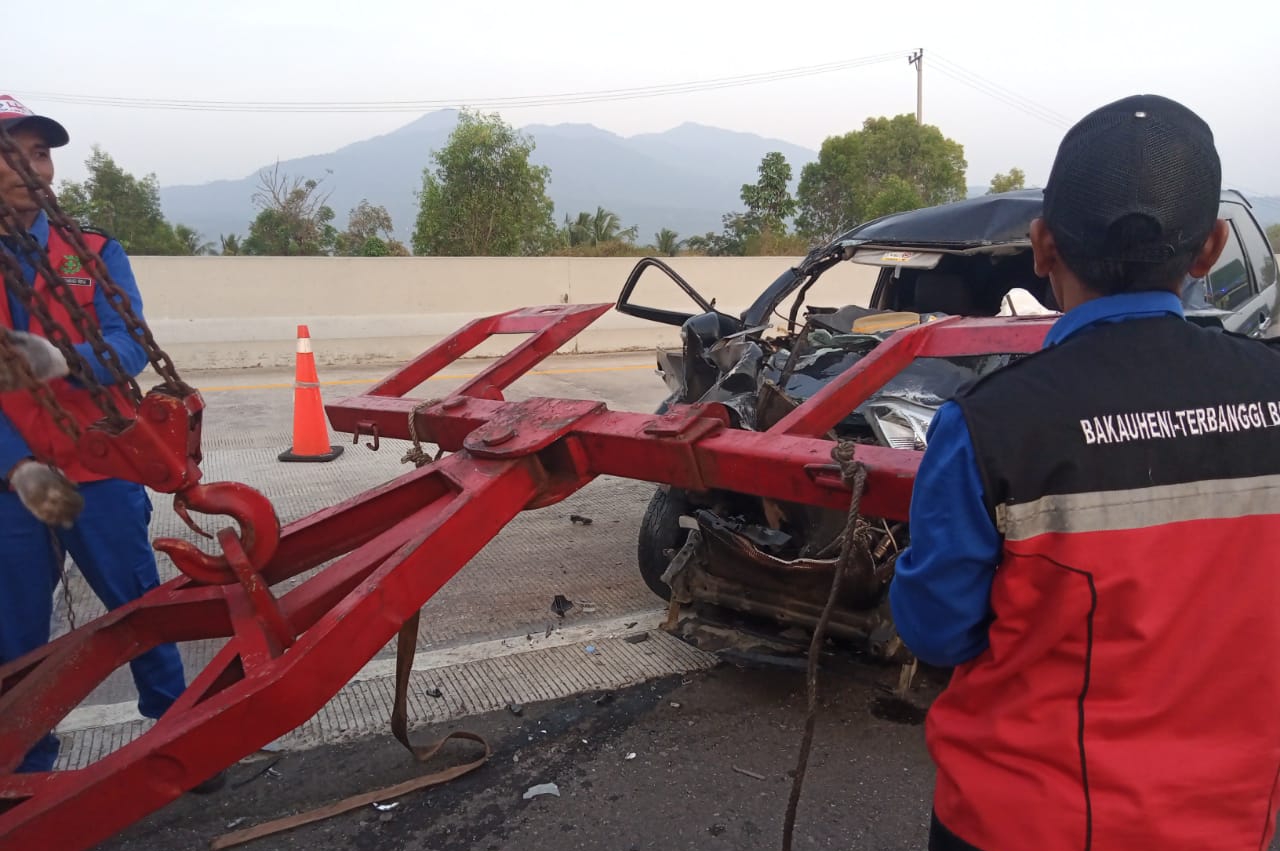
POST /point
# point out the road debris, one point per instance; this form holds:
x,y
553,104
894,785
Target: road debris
x,y
434,691
580,520
638,638
675,704
269,768
604,699
590,650
542,789
560,604
382,808
751,774
631,755
236,822
516,709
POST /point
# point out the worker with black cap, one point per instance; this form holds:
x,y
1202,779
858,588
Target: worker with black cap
x,y
1093,531
50,503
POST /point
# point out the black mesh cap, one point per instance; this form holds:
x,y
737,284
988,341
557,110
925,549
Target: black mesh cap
x,y
1136,181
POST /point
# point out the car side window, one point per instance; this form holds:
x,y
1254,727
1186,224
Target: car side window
x,y
1257,249
1228,281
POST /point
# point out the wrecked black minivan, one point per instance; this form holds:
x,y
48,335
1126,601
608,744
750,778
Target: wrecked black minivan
x,y
969,258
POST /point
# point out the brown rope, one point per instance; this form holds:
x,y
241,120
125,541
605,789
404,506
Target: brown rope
x,y
854,474
416,454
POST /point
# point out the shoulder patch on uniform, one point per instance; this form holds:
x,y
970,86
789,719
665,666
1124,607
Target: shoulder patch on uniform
x,y
98,233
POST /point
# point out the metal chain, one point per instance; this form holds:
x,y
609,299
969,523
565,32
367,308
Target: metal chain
x,y
15,281
116,297
14,360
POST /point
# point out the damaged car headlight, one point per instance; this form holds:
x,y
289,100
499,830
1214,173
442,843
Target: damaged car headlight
x,y
900,424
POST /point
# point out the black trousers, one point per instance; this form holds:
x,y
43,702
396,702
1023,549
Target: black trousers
x,y
941,839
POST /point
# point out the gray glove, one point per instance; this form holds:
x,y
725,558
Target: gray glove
x,y
44,359
46,493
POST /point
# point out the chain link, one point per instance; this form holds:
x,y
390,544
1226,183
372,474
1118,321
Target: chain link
x,y
44,196
15,281
43,393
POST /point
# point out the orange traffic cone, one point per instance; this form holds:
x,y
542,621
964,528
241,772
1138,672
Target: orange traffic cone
x,y
310,429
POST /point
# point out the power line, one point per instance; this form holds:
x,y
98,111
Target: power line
x,y
511,102
1000,93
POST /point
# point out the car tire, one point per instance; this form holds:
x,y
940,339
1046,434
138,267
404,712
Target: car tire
x,y
660,536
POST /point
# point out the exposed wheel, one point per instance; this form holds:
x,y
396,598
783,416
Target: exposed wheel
x,y
660,537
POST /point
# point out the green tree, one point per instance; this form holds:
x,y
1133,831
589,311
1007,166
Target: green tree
x,y
1273,234
293,218
851,180
593,229
230,245
484,197
1015,179
667,242
369,233
895,196
769,202
191,241
125,206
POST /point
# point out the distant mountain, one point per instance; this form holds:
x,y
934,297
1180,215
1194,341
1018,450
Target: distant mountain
x,y
684,179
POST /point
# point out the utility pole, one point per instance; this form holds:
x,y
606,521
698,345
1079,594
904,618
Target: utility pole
x,y
917,59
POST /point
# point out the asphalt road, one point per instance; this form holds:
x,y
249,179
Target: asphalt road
x,y
867,787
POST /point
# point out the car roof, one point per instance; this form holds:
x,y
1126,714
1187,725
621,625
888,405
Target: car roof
x,y
987,220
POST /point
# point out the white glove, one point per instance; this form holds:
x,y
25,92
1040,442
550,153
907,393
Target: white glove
x,y
43,357
46,493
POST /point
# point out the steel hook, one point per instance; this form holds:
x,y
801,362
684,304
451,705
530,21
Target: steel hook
x,y
259,530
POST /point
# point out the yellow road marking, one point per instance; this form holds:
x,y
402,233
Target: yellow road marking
x,y
443,377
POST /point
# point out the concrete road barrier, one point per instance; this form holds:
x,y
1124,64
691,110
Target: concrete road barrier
x,y
239,312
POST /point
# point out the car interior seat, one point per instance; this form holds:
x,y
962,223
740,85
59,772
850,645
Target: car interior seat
x,y
942,292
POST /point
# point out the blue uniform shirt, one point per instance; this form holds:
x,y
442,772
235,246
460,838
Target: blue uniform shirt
x,y
132,356
941,590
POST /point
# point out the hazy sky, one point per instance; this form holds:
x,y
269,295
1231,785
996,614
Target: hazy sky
x,y
1220,58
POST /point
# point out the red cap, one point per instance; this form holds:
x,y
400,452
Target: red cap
x,y
14,113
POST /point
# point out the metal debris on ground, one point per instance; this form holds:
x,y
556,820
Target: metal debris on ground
x,y
638,638
236,822
675,704
604,699
382,808
269,768
542,789
587,608
560,604
515,708
751,774
632,624
580,520
434,691
631,755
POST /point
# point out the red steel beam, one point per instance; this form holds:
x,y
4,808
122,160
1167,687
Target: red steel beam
x,y
396,545
265,697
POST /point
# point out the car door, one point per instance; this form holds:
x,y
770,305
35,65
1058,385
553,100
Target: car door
x,y
1259,314
1243,281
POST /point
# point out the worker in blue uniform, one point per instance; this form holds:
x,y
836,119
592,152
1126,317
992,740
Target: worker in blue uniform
x,y
42,483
